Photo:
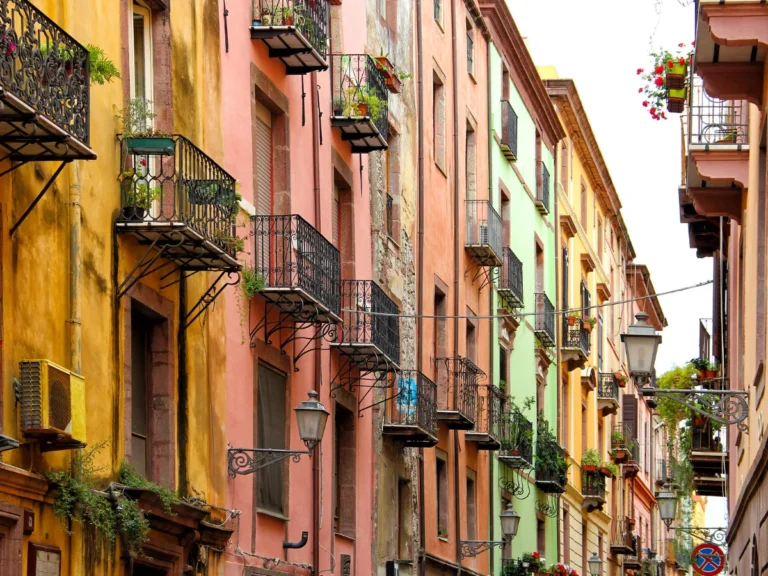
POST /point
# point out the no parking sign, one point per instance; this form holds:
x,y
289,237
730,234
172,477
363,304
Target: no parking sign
x,y
708,559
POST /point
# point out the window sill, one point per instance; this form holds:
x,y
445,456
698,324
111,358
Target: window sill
x,y
442,170
271,514
472,76
443,539
393,244
342,535
440,25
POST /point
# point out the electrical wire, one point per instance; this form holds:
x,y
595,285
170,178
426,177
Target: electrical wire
x,y
524,314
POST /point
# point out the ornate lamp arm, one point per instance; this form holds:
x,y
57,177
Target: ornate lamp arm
x,y
470,548
727,407
709,535
249,460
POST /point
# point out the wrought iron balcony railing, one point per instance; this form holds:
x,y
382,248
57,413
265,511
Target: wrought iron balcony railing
x,y
620,443
360,102
542,189
300,267
545,320
516,440
715,122
607,393
296,31
574,335
511,281
483,233
508,131
551,466
44,88
489,426
457,381
370,330
411,414
662,472
593,485
174,195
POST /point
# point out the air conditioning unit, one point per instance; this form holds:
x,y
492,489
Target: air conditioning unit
x,y
52,400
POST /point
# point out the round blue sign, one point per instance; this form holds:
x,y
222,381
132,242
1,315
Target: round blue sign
x,y
708,559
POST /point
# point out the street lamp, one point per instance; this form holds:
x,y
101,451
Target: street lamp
x,y
510,521
667,500
595,565
311,417
641,343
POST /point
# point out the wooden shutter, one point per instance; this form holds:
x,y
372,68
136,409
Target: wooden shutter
x,y
629,414
263,160
335,216
565,278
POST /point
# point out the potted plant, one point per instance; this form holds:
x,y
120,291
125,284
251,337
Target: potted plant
x,y
676,100
384,65
286,16
711,370
138,195
588,323
571,320
664,84
590,460
622,381
532,561
442,532
700,365
140,138
609,469
395,83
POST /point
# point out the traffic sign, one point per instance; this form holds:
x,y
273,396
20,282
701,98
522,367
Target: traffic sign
x,y
708,559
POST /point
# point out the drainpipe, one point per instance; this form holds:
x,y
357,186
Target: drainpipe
x,y
492,344
456,252
559,316
318,352
75,341
419,264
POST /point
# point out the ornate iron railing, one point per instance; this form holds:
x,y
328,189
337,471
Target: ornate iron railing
x,y
542,194
574,335
509,128
415,403
607,387
359,90
459,375
490,412
290,254
184,185
703,438
517,436
545,319
551,465
369,316
593,484
620,437
511,281
714,121
45,67
309,17
662,472
483,225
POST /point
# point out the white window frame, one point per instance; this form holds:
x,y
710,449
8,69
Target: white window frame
x,y
144,12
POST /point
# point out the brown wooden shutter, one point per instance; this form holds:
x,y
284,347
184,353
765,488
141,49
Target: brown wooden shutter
x,y
263,160
629,415
335,216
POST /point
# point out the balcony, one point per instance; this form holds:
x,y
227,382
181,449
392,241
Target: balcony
x,y
457,392
300,268
551,465
620,443
360,102
517,440
593,490
730,48
510,286
545,321
483,240
410,416
607,393
623,540
631,467
708,457
508,131
370,339
177,200
488,429
542,189
717,154
44,89
295,31
576,342
662,472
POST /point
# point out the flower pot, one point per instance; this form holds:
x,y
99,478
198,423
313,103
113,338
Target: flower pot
x,y
606,472
151,146
711,373
133,213
587,327
515,452
571,320
620,455
621,383
676,101
675,76
702,374
588,467
386,67
394,84
699,420
288,20
362,109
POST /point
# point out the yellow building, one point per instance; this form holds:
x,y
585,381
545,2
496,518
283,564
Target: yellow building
x,y
96,280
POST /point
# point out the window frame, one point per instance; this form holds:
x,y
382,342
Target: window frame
x,y
146,13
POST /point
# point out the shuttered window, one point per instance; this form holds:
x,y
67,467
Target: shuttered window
x,y
629,415
335,216
270,433
263,160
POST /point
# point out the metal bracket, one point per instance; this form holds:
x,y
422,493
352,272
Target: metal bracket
x,y
709,535
39,196
517,481
244,461
145,263
726,407
550,507
207,298
471,548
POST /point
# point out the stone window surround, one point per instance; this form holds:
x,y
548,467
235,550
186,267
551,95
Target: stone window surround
x,y
10,539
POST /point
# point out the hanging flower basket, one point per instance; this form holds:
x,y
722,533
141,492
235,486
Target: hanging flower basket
x,y
676,74
668,74
676,101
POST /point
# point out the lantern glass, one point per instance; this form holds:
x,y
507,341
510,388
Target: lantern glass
x,y
667,505
641,343
510,520
595,565
311,417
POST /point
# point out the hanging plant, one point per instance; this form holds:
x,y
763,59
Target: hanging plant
x,y
667,82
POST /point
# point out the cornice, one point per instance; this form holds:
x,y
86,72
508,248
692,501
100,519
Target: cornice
x,y
477,17
645,274
507,38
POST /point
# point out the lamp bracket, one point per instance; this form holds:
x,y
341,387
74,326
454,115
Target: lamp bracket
x,y
708,535
727,407
249,460
471,548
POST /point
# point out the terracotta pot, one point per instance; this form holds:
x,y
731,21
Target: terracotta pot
x,y
588,468
362,109
394,84
288,20
606,472
699,420
711,373
386,67
702,374
571,320
587,327
621,383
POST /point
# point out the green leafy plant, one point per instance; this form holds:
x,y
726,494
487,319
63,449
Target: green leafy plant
x,y
617,438
534,561
442,532
103,70
404,75
252,282
136,119
137,193
589,320
611,467
130,477
699,363
591,458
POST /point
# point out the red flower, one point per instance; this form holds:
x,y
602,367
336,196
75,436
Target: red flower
x,y
681,61
681,45
671,64
535,555
664,115
143,162
659,81
653,111
693,44
639,90
659,69
645,103
639,71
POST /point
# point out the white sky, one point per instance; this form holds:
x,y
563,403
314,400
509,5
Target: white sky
x,y
600,44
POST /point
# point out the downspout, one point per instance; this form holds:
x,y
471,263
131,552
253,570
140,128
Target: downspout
x,y
318,352
492,344
456,246
558,289
75,336
419,265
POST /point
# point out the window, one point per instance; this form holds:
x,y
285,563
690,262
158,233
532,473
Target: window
x,y
541,538
600,438
471,162
438,9
140,46
471,511
263,159
584,430
504,82
336,215
600,342
600,239
441,470
440,336
404,511
344,459
600,548
584,555
565,279
506,551
471,338
584,204
438,119
392,175
566,534
594,209
503,369
566,410
564,167
141,362
539,268
470,48
270,433
390,218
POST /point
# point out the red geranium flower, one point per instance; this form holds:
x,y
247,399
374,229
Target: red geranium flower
x,y
639,90
682,44
659,81
535,555
659,69
671,64
143,162
681,61
693,44
645,103
664,115
639,71
653,111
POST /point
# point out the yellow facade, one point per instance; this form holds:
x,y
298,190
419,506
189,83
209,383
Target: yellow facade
x,y
80,325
